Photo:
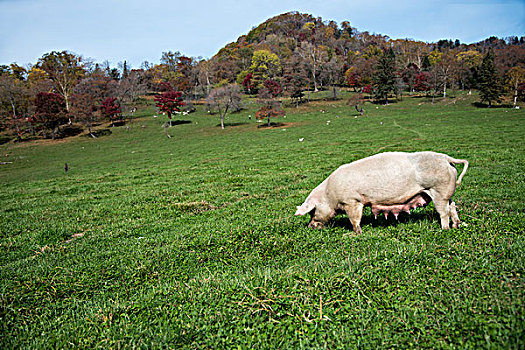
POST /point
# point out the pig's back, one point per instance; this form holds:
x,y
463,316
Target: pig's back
x,y
385,178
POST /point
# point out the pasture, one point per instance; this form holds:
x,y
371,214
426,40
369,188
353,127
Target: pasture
x,y
190,241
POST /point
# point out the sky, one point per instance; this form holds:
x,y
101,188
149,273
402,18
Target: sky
x,y
138,31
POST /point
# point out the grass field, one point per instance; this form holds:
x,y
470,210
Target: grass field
x,y
190,241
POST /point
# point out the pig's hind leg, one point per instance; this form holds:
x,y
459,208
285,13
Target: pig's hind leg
x,y
355,213
443,208
454,215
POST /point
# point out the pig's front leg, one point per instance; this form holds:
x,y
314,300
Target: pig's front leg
x,y
354,211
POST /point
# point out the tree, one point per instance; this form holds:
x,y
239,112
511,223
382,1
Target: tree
x,y
225,98
50,110
169,102
295,78
421,82
315,56
84,110
14,98
445,65
409,75
129,89
271,108
490,88
273,88
265,65
88,96
110,109
385,78
469,63
65,70
352,78
515,77
332,73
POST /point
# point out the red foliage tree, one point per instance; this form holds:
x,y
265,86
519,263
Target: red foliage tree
x,y
164,86
353,79
422,83
273,88
268,112
110,109
50,111
247,82
169,102
367,89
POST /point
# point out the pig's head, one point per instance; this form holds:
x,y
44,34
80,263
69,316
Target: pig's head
x,y
318,217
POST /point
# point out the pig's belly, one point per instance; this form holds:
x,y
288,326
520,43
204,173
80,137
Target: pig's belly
x,y
419,200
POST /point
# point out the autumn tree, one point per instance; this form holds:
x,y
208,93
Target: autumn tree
x,y
87,98
265,65
203,72
270,107
65,70
224,99
469,63
352,78
314,56
169,102
515,77
110,109
409,75
295,78
50,111
14,100
129,89
490,88
384,80
421,82
332,73
445,66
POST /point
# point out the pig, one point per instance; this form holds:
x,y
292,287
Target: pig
x,y
390,182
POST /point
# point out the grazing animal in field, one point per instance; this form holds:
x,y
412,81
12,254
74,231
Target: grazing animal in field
x,y
390,182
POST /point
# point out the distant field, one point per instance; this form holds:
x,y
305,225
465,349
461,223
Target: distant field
x,y
190,241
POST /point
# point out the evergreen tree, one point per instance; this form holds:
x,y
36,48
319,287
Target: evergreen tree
x,y
425,67
490,87
385,76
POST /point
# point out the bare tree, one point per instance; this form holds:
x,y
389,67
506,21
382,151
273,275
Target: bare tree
x,y
332,73
130,88
315,56
14,98
225,98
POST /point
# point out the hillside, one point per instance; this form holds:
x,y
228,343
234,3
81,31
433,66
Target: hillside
x,y
190,241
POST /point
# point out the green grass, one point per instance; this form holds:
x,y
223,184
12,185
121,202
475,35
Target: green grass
x,y
190,241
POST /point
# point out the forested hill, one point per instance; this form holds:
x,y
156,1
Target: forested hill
x,y
280,59
305,44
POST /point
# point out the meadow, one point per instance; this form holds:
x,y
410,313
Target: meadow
x,y
190,241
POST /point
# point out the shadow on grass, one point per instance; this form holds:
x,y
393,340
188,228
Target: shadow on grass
x,y
179,122
230,124
272,125
5,140
485,105
369,220
70,130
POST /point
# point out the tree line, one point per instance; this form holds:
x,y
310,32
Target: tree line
x,y
289,55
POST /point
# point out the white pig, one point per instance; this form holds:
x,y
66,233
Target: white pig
x,y
390,182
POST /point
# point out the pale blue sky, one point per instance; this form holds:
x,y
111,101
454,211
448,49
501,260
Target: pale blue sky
x,y
133,30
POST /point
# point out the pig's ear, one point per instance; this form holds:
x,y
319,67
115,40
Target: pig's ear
x,y
304,209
